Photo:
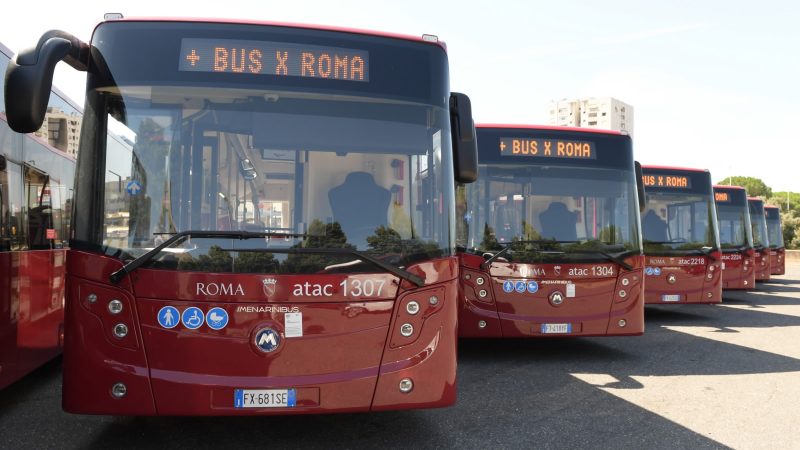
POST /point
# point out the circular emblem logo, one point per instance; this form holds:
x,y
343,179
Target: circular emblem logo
x,y
508,286
656,270
520,287
648,270
533,286
267,340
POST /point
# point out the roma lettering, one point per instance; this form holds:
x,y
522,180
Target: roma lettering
x,y
213,289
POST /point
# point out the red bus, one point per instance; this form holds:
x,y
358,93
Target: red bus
x,y
283,240
680,236
36,177
777,250
550,237
760,238
736,237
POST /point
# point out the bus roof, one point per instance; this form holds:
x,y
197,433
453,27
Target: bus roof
x,y
772,207
755,199
549,127
681,169
406,37
725,186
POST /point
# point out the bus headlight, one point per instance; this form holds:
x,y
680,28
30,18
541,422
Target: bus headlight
x,y
406,385
120,330
412,307
115,306
118,390
407,329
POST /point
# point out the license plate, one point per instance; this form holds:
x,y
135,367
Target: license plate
x,y
556,328
671,298
264,398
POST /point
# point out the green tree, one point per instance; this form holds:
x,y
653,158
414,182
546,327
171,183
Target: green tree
x,y
790,224
755,187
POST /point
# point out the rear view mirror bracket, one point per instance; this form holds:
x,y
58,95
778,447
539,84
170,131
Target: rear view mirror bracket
x,y
29,77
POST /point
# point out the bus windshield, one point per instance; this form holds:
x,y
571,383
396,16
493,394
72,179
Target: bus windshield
x,y
346,167
549,209
677,221
774,233
759,224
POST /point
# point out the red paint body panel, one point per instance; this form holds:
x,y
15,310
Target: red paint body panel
x,y
763,264
351,356
31,310
697,279
595,309
777,258
405,37
548,127
671,168
738,270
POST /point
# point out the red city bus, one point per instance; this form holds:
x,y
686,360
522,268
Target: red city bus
x,y
680,237
760,238
777,251
736,237
36,177
283,242
550,238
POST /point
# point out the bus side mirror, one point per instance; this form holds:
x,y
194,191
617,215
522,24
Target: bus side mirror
x,y
29,78
465,144
640,187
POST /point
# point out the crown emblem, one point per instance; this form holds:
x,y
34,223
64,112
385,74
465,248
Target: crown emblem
x,y
269,285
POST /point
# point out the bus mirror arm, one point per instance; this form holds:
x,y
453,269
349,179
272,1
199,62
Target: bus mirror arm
x,y
640,187
29,78
465,144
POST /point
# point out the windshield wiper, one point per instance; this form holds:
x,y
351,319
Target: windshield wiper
x,y
707,251
617,258
394,270
485,264
137,262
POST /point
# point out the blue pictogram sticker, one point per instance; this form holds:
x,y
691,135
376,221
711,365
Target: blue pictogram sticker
x,y
520,286
168,317
133,187
533,286
192,317
656,270
648,270
217,318
508,286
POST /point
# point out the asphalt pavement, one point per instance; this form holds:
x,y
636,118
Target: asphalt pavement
x,y
702,376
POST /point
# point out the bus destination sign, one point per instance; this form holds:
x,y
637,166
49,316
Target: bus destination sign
x,y
667,181
722,197
273,58
547,148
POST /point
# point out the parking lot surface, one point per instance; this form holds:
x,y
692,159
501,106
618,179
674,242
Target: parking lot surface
x,y
702,376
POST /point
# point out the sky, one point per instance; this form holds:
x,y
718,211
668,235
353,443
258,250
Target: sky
x,y
714,84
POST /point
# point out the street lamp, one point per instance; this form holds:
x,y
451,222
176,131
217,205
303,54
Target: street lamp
x,y
118,176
